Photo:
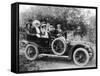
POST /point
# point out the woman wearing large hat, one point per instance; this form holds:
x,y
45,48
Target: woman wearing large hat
x,y
35,26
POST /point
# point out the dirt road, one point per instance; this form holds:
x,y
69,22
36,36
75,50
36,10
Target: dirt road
x,y
49,63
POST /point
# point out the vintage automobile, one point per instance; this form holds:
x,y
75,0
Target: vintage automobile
x,y
57,45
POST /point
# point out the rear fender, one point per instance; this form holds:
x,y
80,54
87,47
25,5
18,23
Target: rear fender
x,y
33,43
27,42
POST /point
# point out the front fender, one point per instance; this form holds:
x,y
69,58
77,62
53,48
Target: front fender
x,y
76,45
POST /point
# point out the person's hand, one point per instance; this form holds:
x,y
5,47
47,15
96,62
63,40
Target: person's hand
x,y
37,35
58,35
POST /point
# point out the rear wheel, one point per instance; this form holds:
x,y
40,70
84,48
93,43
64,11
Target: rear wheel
x,y
81,57
31,52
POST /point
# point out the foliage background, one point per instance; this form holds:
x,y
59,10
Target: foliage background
x,y
69,18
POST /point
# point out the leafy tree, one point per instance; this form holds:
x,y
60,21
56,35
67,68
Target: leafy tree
x,y
69,18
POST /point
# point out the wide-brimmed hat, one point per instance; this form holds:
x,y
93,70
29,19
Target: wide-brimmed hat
x,y
36,23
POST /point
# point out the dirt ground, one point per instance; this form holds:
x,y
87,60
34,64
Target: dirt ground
x,y
49,63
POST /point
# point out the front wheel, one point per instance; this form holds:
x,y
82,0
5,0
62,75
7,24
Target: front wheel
x,y
58,46
81,57
31,52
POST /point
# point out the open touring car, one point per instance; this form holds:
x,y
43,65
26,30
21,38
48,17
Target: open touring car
x,y
57,45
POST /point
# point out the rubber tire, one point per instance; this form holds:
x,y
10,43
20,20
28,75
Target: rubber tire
x,y
36,55
87,56
62,40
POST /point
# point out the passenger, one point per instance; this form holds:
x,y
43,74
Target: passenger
x,y
44,30
35,27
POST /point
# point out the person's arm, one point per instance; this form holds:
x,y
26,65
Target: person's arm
x,y
38,35
38,32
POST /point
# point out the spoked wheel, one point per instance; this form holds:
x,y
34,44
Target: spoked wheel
x,y
31,52
58,46
81,56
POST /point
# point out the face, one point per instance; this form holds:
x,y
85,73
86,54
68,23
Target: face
x,y
37,24
58,26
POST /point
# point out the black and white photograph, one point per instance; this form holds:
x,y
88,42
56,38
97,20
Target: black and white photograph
x,y
54,37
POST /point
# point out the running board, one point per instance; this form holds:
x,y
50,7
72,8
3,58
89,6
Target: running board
x,y
52,55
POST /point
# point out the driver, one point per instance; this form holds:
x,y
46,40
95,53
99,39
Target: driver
x,y
59,29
